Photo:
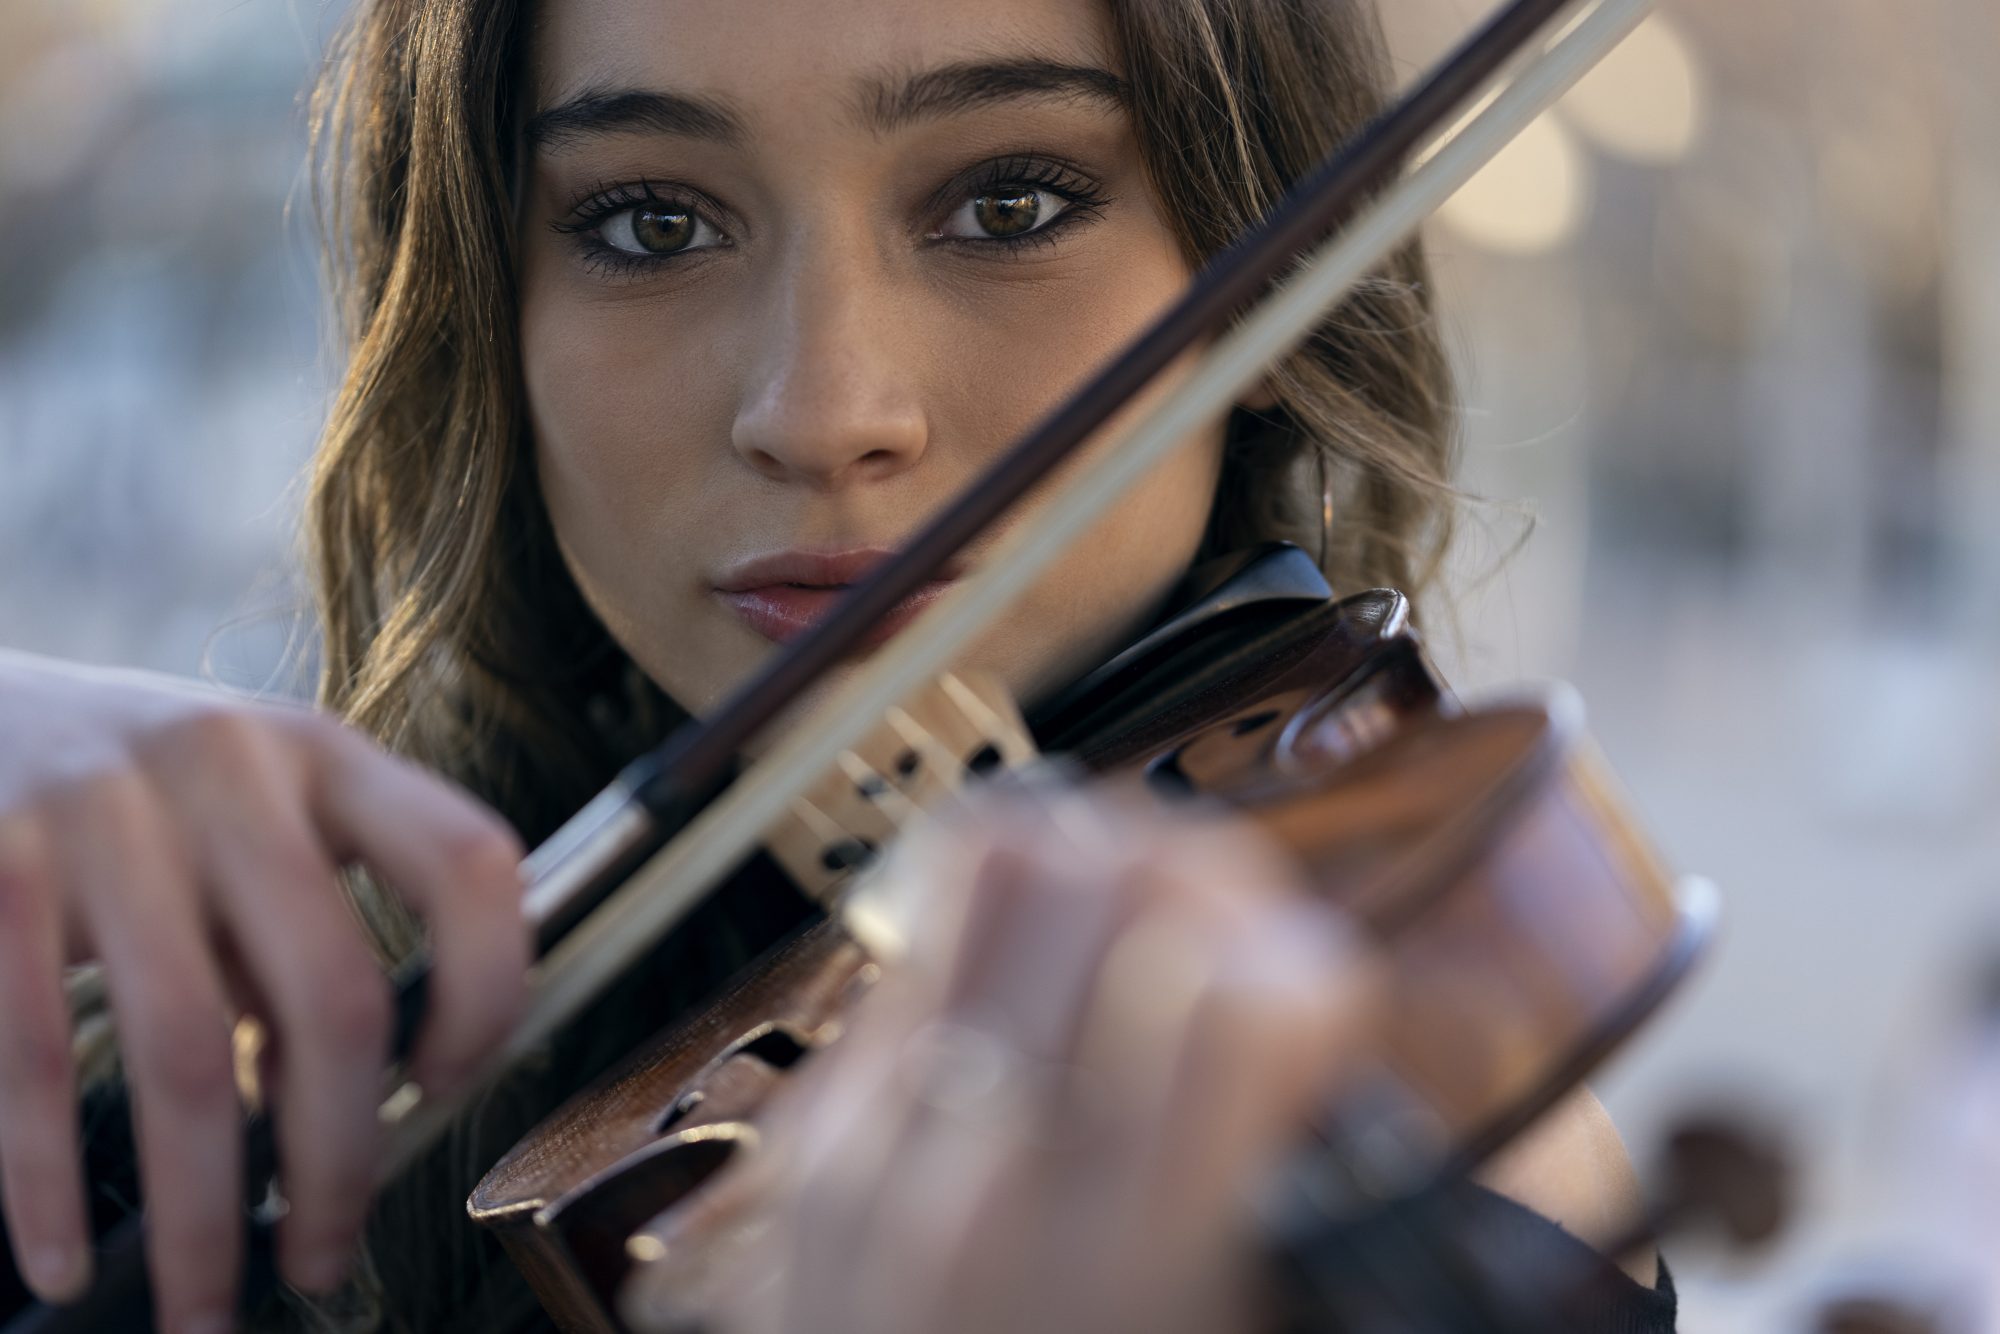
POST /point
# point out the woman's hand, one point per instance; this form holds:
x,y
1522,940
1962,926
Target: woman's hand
x,y
189,843
1050,1115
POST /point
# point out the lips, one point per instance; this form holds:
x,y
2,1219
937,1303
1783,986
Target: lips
x,y
784,594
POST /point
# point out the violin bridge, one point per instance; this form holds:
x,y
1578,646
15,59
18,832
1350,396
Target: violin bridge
x,y
924,752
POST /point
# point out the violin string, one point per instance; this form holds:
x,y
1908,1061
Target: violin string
x,y
828,830
939,771
881,792
669,885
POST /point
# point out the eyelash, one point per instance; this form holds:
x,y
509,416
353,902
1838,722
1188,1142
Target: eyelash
x,y
598,206
1068,182
1084,200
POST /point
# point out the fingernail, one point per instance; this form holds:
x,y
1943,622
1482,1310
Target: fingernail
x,y
57,1272
208,1322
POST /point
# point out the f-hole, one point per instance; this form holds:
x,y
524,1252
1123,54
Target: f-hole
x,y
779,1048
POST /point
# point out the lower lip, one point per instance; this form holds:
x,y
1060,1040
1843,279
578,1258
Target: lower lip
x,y
783,612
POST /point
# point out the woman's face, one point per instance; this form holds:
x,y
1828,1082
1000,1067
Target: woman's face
x,y
794,273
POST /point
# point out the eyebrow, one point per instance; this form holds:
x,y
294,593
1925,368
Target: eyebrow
x,y
601,110
891,103
886,103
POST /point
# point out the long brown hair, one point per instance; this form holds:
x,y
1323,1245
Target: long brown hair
x,y
451,628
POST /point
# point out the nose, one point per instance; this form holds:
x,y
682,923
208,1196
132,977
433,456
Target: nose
x,y
830,399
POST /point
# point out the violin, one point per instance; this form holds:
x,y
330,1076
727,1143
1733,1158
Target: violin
x,y
1434,826
1525,925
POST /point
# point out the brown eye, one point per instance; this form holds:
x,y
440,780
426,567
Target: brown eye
x,y
662,232
656,230
1010,214
1001,215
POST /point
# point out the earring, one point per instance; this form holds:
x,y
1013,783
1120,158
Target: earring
x,y
1325,509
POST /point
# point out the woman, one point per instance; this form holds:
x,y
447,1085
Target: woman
x,y
667,319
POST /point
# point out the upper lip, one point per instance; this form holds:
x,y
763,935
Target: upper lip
x,y
807,569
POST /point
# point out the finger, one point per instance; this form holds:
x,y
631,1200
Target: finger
x,y
948,1224
1045,902
1204,1030
833,1145
1213,1035
952,1238
456,863
1283,1017
304,957
141,904
900,1156
40,1180
838,1139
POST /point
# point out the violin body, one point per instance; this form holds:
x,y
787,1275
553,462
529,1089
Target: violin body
x,y
1525,928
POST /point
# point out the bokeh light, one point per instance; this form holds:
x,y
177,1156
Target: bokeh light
x,y
1645,102
1530,198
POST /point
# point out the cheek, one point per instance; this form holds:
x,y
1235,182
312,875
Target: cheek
x,y
1102,592
611,426
1033,352
630,412
623,410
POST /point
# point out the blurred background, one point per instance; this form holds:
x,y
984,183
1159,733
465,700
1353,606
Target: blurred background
x,y
1728,323
1729,326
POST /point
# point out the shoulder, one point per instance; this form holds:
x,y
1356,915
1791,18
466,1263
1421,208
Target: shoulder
x,y
1572,1168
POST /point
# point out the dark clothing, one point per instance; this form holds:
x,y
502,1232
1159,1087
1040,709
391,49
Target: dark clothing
x,y
1522,1245
1460,1259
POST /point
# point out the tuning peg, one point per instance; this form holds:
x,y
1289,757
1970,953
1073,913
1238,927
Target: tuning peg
x,y
1869,1315
924,752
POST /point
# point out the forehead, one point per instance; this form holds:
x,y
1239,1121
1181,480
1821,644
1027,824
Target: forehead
x,y
774,52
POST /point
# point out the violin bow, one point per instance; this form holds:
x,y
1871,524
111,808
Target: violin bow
x,y
635,860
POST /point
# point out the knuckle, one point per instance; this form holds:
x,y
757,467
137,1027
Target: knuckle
x,y
341,752
214,737
315,726
484,857
199,1235
119,793
328,731
187,1064
25,882
490,1007
99,796
329,1214
333,744
295,862
349,1006
45,1184
37,1058
1218,1017
465,1025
